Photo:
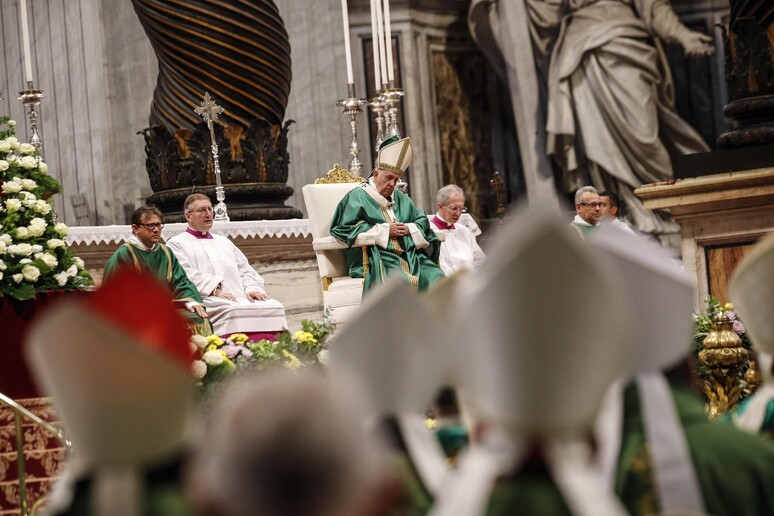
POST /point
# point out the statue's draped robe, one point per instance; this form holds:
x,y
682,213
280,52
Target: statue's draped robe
x,y
364,211
163,264
611,115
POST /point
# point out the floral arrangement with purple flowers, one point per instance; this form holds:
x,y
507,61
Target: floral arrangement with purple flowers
x,y
703,323
216,358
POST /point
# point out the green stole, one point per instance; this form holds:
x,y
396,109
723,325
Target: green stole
x,y
735,469
163,264
357,213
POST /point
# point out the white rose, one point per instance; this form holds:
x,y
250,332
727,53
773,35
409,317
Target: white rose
x,y
79,262
28,162
10,187
25,260
12,205
61,229
20,249
199,369
17,278
3,247
29,184
31,273
5,146
6,238
3,266
1,275
54,243
13,142
26,148
27,196
3,165
35,231
36,248
61,278
200,341
37,221
22,233
72,271
42,207
42,166
213,357
49,259
11,123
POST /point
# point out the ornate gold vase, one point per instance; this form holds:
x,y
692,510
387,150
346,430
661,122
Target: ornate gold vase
x,y
722,358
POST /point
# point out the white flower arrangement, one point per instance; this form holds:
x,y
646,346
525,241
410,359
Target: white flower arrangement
x,y
35,255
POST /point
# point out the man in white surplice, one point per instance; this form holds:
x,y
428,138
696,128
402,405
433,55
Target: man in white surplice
x,y
460,250
232,291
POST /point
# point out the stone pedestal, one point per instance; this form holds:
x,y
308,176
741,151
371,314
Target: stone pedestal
x,y
720,217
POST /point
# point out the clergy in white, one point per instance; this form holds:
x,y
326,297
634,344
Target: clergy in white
x,y
459,251
233,292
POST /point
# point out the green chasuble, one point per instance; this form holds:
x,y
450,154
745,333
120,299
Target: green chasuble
x,y
584,230
360,211
161,262
735,469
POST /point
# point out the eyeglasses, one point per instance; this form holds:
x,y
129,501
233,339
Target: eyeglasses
x,y
591,205
152,227
455,209
202,211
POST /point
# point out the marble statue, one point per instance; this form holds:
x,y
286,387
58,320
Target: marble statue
x,y
611,119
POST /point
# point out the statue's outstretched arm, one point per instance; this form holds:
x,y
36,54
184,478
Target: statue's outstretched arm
x,y
662,21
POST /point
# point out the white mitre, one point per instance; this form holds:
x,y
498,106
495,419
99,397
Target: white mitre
x,y
542,325
661,296
751,289
393,350
125,402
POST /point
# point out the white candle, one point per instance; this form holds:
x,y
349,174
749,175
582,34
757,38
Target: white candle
x,y
26,41
388,40
347,49
382,56
375,40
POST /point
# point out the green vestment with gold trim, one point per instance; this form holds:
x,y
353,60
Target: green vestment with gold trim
x,y
160,262
359,212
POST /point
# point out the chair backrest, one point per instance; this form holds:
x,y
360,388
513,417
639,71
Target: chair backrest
x,y
321,200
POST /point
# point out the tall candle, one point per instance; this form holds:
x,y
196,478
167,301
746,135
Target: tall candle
x,y
388,40
380,29
375,40
26,41
347,49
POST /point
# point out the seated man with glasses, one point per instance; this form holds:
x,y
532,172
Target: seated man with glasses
x,y
232,291
459,251
588,211
144,251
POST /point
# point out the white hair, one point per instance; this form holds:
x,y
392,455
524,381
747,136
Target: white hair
x,y
583,190
446,191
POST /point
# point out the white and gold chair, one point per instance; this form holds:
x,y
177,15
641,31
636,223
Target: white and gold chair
x,y
341,294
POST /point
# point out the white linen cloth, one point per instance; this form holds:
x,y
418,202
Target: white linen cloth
x,y
217,261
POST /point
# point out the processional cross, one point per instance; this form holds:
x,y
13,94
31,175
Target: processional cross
x,y
209,110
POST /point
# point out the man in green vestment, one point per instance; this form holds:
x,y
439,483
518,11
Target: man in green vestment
x,y
376,213
144,251
735,469
588,211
